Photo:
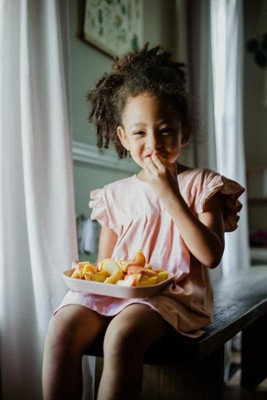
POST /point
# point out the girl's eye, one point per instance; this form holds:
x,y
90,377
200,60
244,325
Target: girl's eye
x,y
166,131
138,133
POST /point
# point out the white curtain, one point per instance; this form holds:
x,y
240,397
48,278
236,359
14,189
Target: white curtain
x,y
37,217
227,45
217,58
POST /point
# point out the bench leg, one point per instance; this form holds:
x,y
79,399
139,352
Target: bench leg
x,y
254,354
99,361
201,381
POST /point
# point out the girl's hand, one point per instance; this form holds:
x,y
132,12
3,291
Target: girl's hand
x,y
161,175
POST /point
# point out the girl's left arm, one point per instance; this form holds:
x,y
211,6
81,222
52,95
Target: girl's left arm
x,y
203,234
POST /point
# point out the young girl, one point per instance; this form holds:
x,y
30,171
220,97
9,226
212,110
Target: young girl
x,y
175,214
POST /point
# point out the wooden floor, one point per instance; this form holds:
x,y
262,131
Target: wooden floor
x,y
233,391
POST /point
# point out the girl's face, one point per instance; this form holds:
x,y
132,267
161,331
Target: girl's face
x,y
149,125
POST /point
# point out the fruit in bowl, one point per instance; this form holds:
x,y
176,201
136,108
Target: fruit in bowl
x,y
135,272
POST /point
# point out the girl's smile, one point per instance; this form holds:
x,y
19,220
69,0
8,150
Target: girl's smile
x,y
150,126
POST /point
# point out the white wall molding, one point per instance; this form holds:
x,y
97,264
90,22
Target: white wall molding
x,y
89,154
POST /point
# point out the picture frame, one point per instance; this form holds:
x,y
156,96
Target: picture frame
x,y
113,26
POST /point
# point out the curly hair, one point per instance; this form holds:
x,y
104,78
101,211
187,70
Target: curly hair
x,y
144,71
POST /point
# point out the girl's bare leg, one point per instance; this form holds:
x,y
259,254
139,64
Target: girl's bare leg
x,y
127,338
71,330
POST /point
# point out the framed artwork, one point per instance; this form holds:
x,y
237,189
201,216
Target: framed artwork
x,y
114,26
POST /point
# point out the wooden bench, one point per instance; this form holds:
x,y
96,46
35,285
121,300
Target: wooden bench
x,y
193,369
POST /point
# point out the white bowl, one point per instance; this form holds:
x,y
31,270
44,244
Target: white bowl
x,y
113,290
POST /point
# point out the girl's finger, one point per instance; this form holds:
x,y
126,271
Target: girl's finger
x,y
175,169
159,161
149,165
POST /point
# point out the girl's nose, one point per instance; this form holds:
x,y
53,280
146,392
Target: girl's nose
x,y
154,142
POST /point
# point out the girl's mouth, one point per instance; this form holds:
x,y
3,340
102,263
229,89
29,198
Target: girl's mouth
x,y
148,156
157,154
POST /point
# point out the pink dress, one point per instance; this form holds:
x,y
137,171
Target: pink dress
x,y
133,211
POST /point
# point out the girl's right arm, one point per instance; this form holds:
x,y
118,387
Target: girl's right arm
x,y
107,241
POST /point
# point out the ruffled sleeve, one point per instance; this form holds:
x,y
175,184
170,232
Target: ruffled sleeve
x,y
230,190
98,204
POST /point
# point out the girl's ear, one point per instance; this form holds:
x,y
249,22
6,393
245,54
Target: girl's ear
x,y
187,129
123,138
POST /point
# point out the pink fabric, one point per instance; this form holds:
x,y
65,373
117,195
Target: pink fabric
x,y
133,211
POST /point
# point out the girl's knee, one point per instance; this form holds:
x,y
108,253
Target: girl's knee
x,y
120,347
130,331
63,331
73,328
122,340
118,336
59,335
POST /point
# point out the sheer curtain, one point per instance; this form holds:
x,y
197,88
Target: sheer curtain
x,y
227,48
216,56
37,217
